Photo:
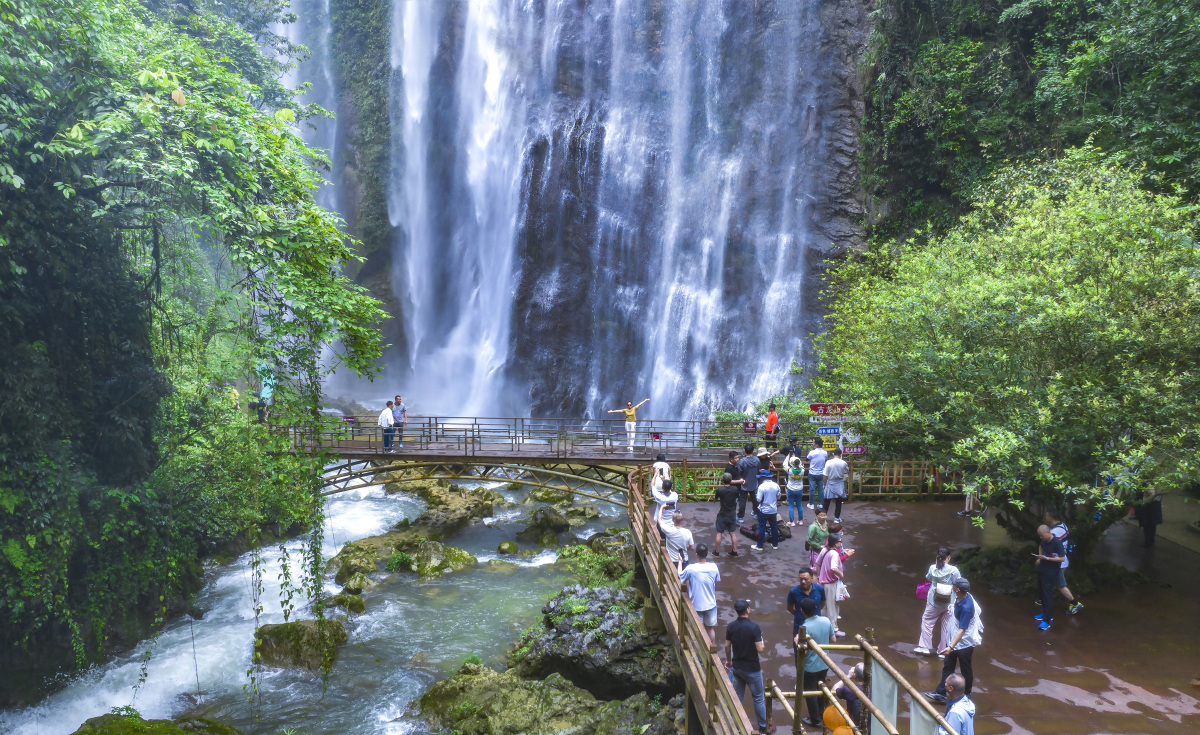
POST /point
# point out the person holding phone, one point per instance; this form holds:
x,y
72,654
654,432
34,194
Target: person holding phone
x,y
1050,557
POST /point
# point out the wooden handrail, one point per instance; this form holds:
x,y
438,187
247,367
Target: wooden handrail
x,y
912,691
862,696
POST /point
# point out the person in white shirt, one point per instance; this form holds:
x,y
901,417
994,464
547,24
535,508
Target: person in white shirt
x,y
660,471
386,422
816,473
836,470
665,499
700,581
768,510
679,540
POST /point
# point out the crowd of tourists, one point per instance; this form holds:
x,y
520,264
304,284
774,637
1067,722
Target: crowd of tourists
x,y
816,479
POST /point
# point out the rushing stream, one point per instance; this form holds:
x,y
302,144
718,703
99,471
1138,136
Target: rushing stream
x,y
413,633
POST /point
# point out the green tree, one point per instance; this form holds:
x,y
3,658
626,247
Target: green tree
x,y
1046,346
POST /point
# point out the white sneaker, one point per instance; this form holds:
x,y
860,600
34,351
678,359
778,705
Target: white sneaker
x,y
810,506
837,520
756,547
922,651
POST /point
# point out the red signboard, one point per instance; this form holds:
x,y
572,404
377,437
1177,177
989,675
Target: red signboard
x,y
858,449
831,409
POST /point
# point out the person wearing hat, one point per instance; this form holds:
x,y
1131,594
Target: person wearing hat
x,y
966,632
743,643
767,509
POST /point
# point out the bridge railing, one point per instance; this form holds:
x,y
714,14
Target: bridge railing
x,y
710,690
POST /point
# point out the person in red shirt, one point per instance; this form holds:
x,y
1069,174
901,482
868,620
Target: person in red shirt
x,y
772,427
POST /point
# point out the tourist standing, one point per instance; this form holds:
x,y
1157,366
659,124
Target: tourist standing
x,y
700,581
749,466
1049,563
735,477
630,412
399,420
772,438
679,540
660,471
795,489
665,499
727,497
1148,514
743,643
806,590
820,629
816,474
830,574
960,711
768,510
941,576
818,531
836,470
1062,533
386,421
966,632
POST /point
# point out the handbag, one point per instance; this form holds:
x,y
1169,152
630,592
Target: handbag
x,y
842,592
923,591
942,592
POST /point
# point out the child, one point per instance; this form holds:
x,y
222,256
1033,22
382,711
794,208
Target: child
x,y
841,691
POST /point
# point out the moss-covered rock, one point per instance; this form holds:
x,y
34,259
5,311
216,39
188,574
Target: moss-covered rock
x,y
356,584
480,701
348,602
508,547
585,512
595,638
544,527
507,567
133,724
433,559
619,546
298,643
550,495
368,554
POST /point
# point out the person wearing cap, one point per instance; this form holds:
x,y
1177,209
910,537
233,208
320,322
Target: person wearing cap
x,y
966,632
743,643
768,510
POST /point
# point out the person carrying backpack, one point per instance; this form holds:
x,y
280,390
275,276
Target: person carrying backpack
x,y
795,488
1061,532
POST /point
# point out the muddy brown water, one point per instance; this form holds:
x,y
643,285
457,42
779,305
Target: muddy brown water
x,y
1124,664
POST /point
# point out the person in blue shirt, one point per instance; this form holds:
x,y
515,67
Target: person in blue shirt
x,y
960,712
966,632
806,589
820,629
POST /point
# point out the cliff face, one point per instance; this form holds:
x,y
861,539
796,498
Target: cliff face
x,y
639,197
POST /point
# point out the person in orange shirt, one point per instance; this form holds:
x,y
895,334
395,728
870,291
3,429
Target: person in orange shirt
x,y
772,427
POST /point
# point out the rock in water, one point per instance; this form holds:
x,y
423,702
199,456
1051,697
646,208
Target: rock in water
x,y
595,638
433,559
480,701
352,603
356,584
131,724
544,527
508,547
619,546
298,643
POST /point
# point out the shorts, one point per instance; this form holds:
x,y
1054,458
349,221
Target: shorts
x,y
726,524
708,618
1062,578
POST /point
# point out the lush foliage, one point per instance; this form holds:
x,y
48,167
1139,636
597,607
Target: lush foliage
x,y
956,88
159,248
1046,346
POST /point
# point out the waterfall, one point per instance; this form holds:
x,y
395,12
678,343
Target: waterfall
x,y
606,200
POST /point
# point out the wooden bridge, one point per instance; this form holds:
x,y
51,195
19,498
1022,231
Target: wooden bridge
x,y
593,461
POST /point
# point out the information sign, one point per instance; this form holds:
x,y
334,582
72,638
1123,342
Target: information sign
x,y
829,430
830,409
855,449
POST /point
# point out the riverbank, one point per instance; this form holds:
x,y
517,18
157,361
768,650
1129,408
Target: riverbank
x,y
414,632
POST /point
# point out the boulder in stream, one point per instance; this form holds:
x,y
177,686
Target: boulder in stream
x,y
508,547
298,643
595,638
480,701
544,527
433,559
356,584
131,723
351,603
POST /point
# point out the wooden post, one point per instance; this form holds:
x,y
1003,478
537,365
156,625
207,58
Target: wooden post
x,y
710,684
797,728
684,492
770,687
864,716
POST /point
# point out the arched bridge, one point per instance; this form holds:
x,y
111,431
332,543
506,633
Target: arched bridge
x,y
609,484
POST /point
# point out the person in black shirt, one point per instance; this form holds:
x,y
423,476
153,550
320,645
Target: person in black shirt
x,y
1049,560
727,495
743,643
735,472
